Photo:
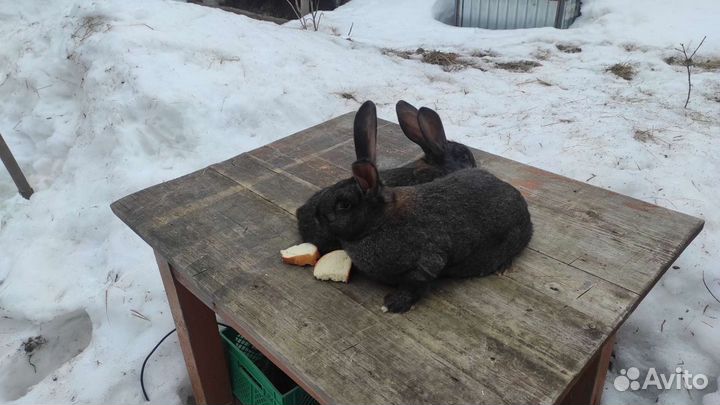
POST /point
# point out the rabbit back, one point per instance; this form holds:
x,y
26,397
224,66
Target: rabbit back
x,y
470,221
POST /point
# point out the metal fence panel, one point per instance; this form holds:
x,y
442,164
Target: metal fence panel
x,y
511,14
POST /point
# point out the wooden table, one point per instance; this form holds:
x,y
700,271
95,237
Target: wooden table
x,y
540,333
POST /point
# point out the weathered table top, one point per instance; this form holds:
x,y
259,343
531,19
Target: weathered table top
x,y
521,337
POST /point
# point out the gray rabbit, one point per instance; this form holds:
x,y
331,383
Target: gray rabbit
x,y
468,223
441,157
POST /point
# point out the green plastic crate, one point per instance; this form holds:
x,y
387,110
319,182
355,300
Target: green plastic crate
x,y
249,384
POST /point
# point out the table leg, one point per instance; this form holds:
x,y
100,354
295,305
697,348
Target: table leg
x,y
589,386
199,340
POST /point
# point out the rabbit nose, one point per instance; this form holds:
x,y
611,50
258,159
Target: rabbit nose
x,y
331,216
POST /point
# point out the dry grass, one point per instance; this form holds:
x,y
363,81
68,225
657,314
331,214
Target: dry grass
x,y
708,64
90,25
448,61
398,53
568,48
644,136
484,53
518,66
711,64
623,70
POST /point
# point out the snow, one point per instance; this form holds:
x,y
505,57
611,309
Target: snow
x,y
102,99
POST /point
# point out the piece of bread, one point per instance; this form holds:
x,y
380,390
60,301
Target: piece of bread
x,y
304,254
334,266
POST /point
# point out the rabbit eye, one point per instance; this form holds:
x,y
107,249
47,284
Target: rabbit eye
x,y
342,205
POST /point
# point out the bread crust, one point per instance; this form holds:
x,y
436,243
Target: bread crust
x,y
336,274
308,259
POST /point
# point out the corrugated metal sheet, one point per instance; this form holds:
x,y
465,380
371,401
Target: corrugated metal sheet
x,y
511,14
571,11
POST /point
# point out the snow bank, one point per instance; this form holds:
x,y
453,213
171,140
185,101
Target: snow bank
x,y
101,99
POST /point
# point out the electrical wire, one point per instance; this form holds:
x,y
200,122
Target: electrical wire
x,y
142,369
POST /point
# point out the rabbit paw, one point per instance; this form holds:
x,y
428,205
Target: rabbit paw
x,y
399,301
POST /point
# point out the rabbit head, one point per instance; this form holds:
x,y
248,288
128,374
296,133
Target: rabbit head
x,y
349,210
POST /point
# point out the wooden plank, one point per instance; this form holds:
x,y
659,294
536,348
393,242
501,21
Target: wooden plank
x,y
199,340
605,302
588,388
147,210
620,239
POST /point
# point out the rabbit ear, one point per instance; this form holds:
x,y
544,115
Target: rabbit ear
x,y
433,132
366,175
408,119
365,132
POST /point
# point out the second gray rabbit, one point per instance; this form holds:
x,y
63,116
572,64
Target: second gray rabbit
x,y
468,223
441,157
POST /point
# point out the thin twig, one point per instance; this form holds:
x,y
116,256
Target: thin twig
x,y
296,9
318,21
708,288
139,315
106,305
698,47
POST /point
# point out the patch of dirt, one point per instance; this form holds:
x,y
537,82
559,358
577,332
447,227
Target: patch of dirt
x,y
623,70
711,64
33,343
518,66
568,48
347,96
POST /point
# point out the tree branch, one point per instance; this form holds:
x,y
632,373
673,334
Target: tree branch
x,y
688,62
